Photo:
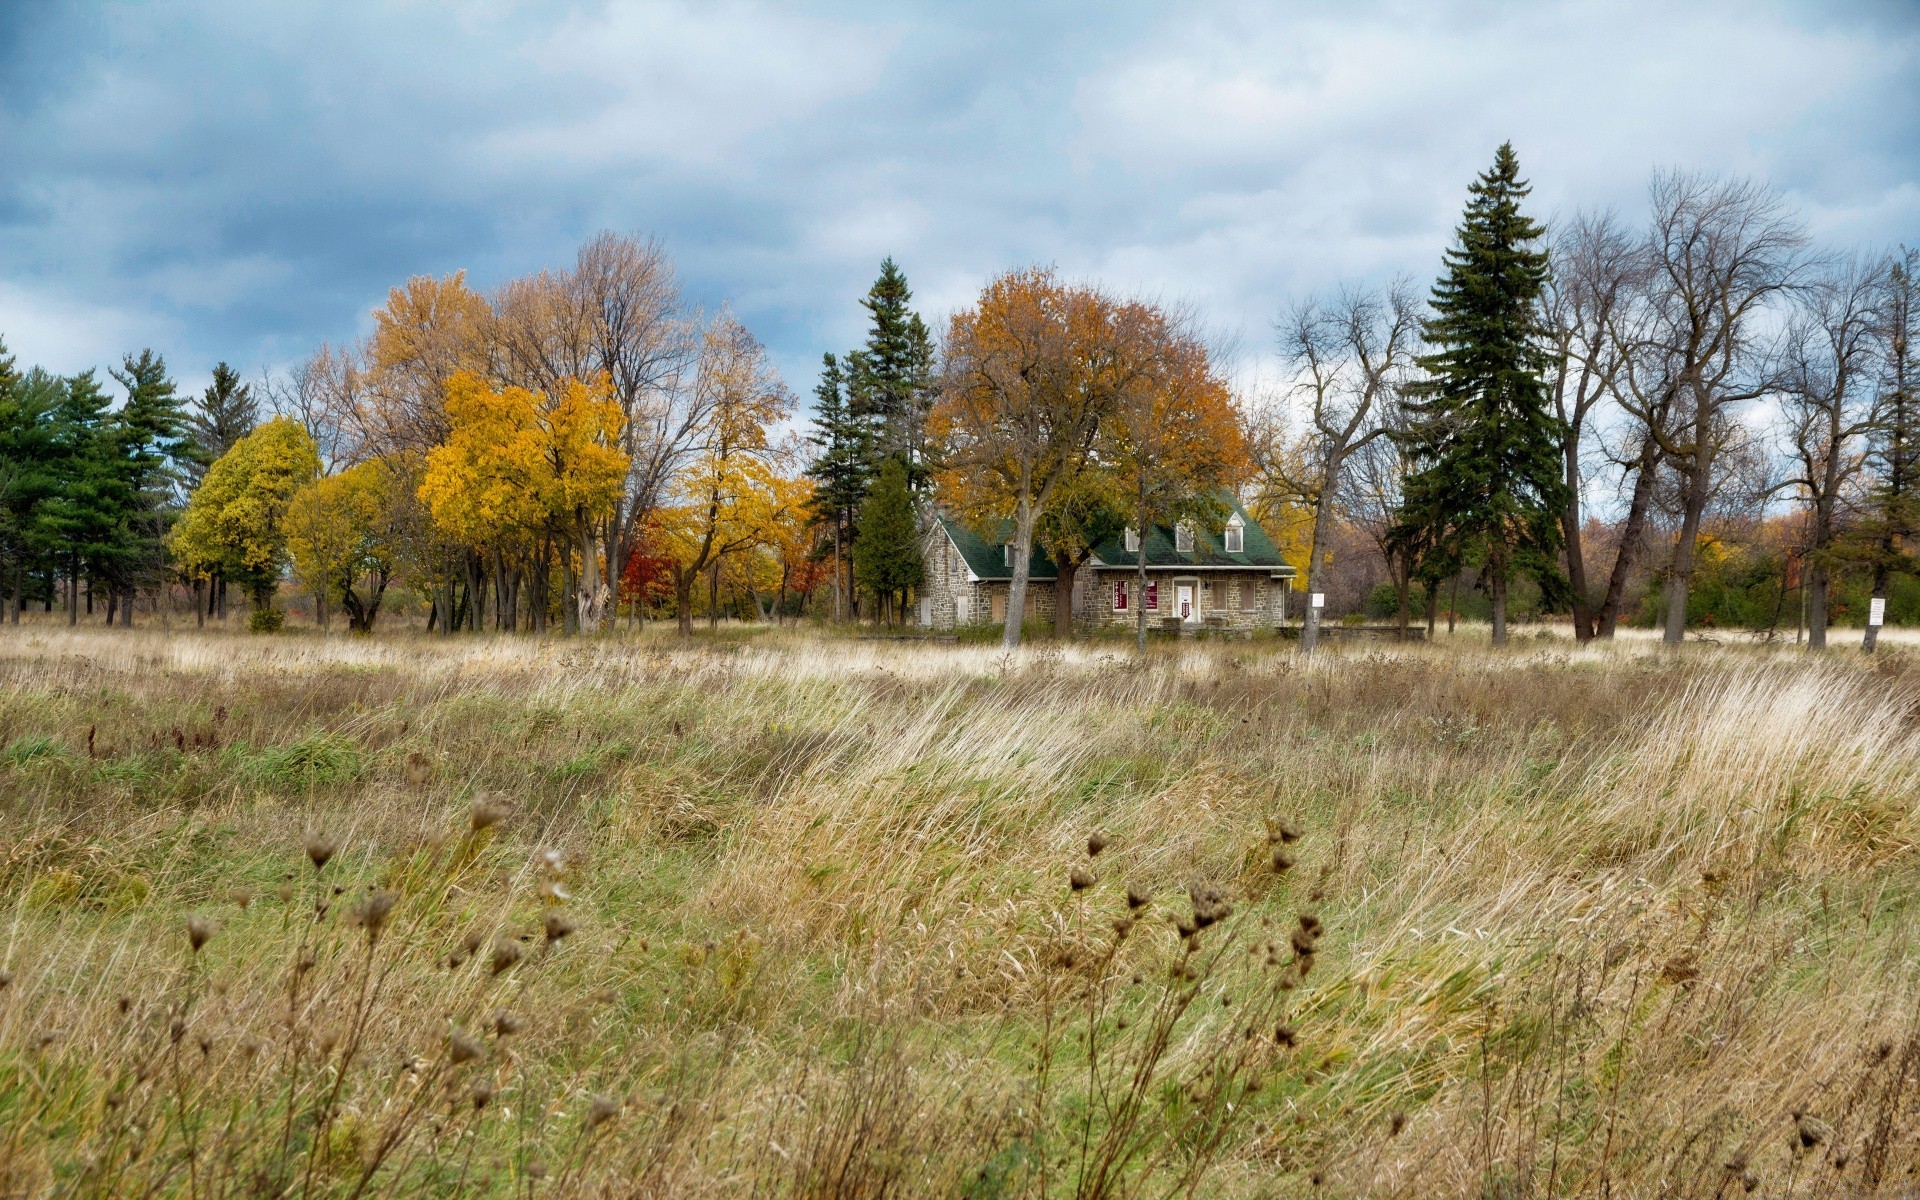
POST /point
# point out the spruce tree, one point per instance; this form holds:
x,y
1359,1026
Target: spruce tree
x,y
225,413
890,380
1487,484
886,555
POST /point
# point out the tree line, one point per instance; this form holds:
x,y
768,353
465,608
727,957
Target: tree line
x,y
1692,370
579,446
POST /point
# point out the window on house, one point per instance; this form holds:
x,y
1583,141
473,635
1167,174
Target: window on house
x,y
1249,595
1133,540
1119,595
1236,539
1006,551
1183,538
1153,595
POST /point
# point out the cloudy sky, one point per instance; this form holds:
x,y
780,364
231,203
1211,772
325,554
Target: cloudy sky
x,y
230,179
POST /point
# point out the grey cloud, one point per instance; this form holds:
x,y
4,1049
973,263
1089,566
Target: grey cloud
x,y
241,181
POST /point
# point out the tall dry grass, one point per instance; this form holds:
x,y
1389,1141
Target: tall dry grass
x,y
1575,921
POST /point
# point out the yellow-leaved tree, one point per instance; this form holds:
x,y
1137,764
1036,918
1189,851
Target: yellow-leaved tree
x,y
526,476
734,493
344,534
235,521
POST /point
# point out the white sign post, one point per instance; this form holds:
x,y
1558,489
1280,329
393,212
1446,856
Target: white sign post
x,y
1877,611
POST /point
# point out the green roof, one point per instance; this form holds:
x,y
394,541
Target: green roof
x,y
1209,547
987,559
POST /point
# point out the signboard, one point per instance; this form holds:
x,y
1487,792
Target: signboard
x,y
1877,611
1319,600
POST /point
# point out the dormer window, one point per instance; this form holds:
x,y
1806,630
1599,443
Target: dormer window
x,y
1183,538
1236,536
1132,537
1006,550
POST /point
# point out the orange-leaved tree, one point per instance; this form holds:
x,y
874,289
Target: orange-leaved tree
x,y
524,474
1173,440
1032,369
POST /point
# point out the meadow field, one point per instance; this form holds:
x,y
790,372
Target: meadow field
x,y
797,914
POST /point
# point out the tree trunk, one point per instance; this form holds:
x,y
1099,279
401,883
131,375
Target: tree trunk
x,y
1815,581
1322,520
73,596
1631,532
1068,567
1681,577
1402,587
683,598
592,603
1017,587
1499,597
1584,626
1433,606
713,595
1453,604
1871,638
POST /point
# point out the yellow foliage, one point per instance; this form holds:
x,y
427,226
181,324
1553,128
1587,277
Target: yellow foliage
x,y
342,526
235,520
520,463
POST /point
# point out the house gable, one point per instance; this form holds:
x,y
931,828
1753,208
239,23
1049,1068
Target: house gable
x,y
987,560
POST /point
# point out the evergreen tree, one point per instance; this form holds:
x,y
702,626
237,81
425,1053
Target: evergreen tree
x,y
148,435
78,522
1487,484
1884,538
890,380
841,471
26,477
886,555
225,413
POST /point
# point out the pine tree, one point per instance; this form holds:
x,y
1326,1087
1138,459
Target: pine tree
x,y
1487,484
226,412
842,470
886,555
890,380
26,478
148,435
78,521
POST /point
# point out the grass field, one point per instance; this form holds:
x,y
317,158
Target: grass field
x,y
788,914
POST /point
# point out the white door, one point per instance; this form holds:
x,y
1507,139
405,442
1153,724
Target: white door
x,y
1183,596
963,610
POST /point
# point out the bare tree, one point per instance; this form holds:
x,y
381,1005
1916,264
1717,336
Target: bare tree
x,y
1720,253
1830,407
323,393
1350,354
1371,497
1599,273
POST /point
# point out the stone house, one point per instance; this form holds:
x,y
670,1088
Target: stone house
x,y
1225,578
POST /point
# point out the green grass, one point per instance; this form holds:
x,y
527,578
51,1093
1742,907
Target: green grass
x,y
1581,908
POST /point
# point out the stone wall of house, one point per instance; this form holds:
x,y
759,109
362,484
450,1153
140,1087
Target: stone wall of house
x,y
1220,597
947,584
945,580
990,605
